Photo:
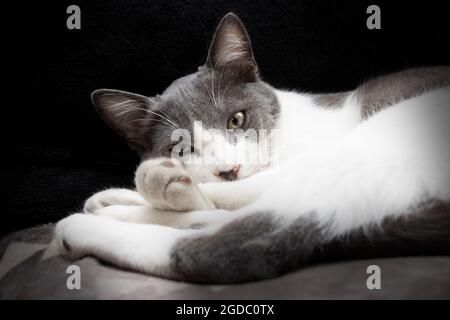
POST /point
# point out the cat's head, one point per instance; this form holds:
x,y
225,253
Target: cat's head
x,y
225,94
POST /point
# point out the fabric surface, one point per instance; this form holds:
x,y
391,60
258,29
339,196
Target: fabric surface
x,y
24,275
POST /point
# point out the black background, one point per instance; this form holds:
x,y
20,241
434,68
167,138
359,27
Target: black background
x,y
58,151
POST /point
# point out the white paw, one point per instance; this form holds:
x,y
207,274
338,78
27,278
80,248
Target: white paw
x,y
73,236
167,185
112,197
136,214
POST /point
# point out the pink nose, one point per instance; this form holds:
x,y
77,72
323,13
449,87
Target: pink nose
x,y
229,175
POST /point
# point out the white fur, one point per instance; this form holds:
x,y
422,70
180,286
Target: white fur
x,y
111,197
146,247
349,172
355,173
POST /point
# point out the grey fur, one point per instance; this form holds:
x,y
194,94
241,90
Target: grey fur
x,y
211,95
191,98
251,248
379,93
260,246
382,92
330,100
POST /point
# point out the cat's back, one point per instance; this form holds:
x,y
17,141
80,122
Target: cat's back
x,y
384,91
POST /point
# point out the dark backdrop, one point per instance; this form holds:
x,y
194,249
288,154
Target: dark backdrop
x,y
57,149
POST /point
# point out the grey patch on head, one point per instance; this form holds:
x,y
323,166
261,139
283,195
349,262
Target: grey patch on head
x,y
260,246
382,92
330,100
212,95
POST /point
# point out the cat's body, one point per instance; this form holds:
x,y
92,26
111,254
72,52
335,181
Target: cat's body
x,y
360,173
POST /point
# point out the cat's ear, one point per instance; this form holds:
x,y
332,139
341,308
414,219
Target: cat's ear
x,y
127,113
231,49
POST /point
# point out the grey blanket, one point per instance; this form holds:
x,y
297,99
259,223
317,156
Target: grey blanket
x,y
24,275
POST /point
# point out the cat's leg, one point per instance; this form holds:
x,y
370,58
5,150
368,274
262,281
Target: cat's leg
x,y
165,184
176,219
239,249
256,245
252,244
112,197
141,247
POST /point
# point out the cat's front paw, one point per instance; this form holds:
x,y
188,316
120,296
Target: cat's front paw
x,y
72,236
113,197
167,185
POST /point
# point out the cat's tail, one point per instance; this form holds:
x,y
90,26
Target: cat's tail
x,y
260,246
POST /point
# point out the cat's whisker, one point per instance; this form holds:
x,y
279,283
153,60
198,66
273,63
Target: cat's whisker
x,y
209,92
234,49
218,90
125,102
212,88
124,110
163,117
131,102
149,128
222,94
162,120
157,120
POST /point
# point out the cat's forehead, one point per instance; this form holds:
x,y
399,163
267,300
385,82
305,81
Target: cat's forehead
x,y
184,83
202,94
203,83
216,89
212,97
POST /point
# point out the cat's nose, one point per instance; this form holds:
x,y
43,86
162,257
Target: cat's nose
x,y
230,175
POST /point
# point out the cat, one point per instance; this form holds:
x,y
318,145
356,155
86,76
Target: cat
x,y
364,173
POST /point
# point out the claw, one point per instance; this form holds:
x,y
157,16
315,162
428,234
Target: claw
x,y
184,180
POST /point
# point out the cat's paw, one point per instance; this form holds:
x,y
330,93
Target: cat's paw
x,y
72,236
167,186
135,214
113,197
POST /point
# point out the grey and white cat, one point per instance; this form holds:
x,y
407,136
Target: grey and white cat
x,y
357,174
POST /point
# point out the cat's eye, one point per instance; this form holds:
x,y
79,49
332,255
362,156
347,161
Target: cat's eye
x,y
236,121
